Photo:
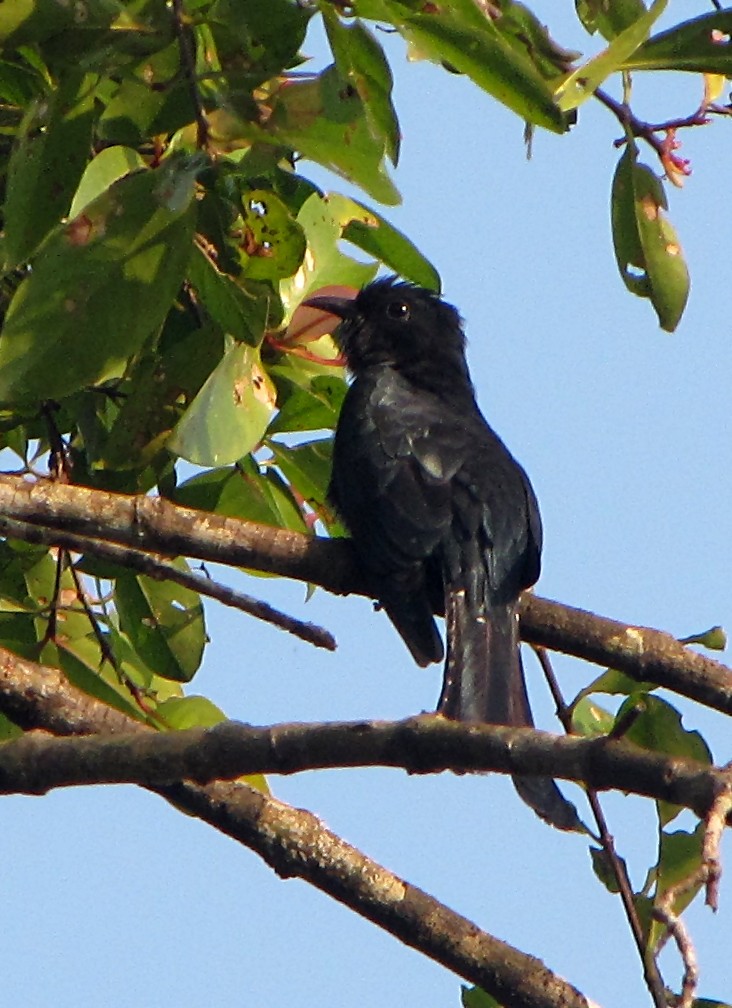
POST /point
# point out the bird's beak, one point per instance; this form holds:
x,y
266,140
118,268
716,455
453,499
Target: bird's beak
x,y
342,308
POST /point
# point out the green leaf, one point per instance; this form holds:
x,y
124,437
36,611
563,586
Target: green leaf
x,y
115,270
165,623
647,249
152,98
680,857
701,45
462,35
714,639
590,719
325,120
230,414
8,730
580,84
371,233
307,467
273,243
614,682
610,19
239,313
245,492
46,163
85,675
361,60
314,405
659,729
180,713
476,997
325,263
110,165
604,869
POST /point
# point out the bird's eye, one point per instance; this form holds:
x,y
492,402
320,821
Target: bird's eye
x,y
398,310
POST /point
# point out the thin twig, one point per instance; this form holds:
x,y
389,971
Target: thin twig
x,y
164,570
654,981
188,62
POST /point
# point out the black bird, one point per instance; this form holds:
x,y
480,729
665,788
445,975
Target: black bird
x,y
440,513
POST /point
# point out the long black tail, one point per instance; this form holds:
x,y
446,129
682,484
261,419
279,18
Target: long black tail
x,y
484,683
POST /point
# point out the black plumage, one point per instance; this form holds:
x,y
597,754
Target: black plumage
x,y
440,512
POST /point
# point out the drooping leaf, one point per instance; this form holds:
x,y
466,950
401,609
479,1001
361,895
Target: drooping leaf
x,y
647,249
102,285
243,491
307,467
361,60
230,414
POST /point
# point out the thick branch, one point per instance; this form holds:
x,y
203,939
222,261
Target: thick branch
x,y
156,526
38,762
296,844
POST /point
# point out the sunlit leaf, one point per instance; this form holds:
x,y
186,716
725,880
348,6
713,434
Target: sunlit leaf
x,y
104,170
714,639
580,84
369,231
230,414
324,118
324,263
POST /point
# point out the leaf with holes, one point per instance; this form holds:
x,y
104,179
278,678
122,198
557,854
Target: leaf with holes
x,y
164,622
230,414
647,249
272,243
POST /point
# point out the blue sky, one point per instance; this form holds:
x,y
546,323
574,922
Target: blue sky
x,y
111,895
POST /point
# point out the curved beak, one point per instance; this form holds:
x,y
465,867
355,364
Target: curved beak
x,y
342,308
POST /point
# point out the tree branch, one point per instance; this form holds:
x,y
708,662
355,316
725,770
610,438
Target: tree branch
x,y
296,844
154,525
426,744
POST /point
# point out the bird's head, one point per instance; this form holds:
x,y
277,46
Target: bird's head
x,y
396,324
